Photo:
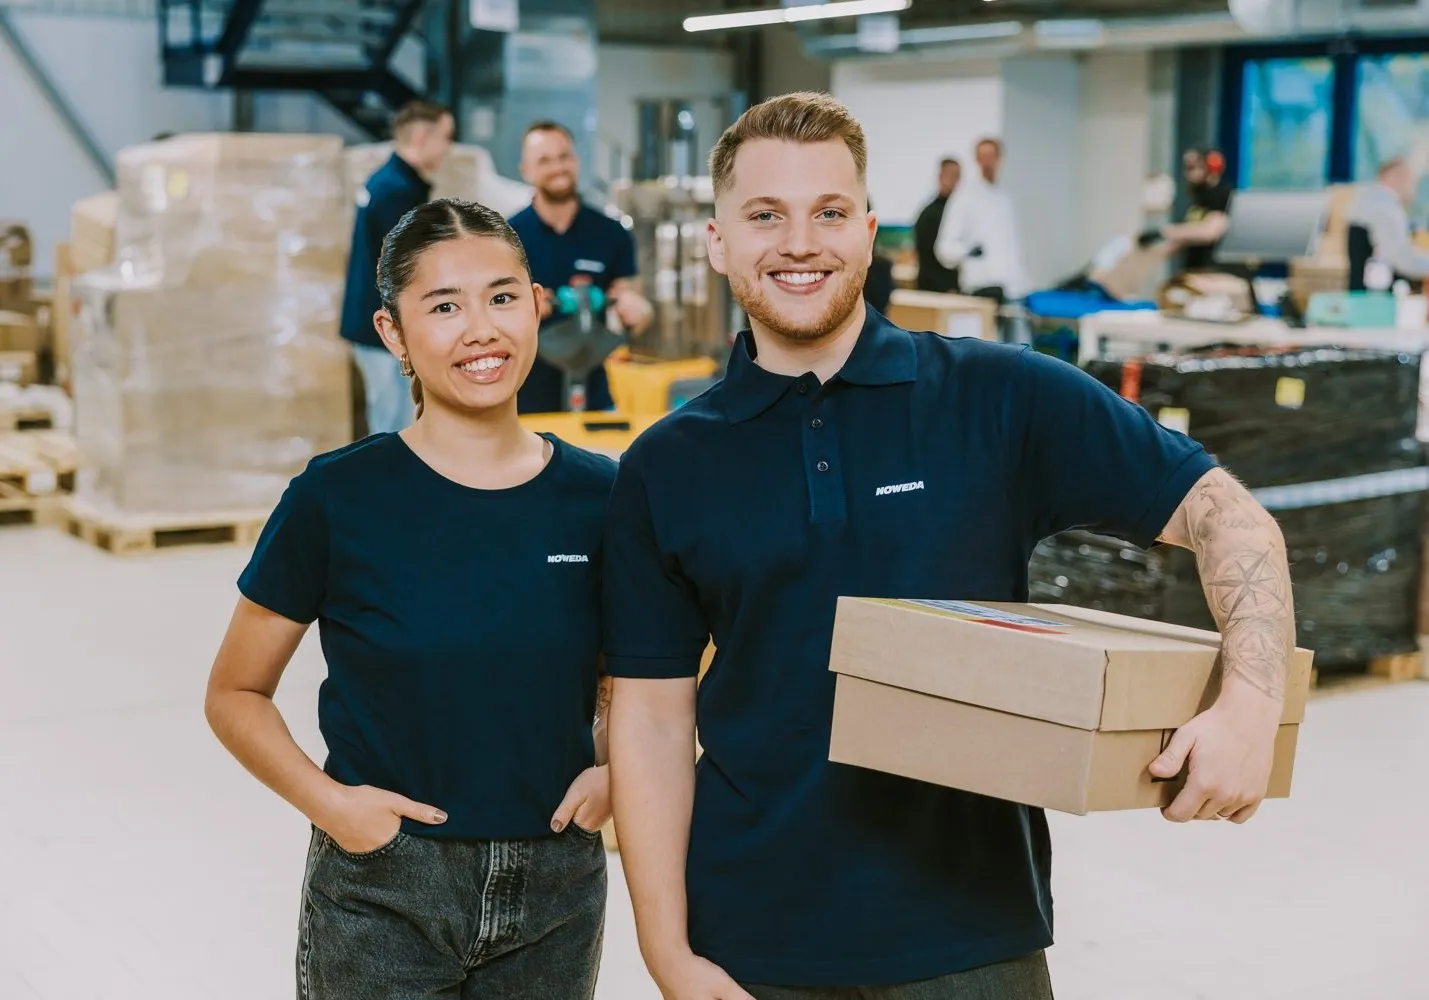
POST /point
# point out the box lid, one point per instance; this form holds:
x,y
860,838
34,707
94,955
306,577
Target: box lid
x,y
1074,666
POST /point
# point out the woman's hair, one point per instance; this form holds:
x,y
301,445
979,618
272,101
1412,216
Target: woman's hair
x,y
424,227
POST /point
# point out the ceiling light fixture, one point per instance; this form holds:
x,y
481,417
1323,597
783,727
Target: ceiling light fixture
x,y
793,15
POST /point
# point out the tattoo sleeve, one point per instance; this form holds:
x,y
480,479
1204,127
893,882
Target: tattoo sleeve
x,y
605,685
1241,557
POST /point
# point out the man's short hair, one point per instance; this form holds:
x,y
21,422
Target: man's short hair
x,y
802,117
992,141
418,113
547,125
950,161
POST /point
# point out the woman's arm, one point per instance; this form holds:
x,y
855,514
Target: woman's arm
x,y
605,684
239,706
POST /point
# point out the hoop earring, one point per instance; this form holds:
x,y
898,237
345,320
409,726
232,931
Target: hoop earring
x,y
407,370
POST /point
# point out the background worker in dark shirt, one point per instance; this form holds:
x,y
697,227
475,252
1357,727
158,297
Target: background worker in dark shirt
x,y
1207,218
422,138
571,243
932,275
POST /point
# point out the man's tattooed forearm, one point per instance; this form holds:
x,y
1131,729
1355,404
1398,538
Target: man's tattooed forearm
x,y
1247,582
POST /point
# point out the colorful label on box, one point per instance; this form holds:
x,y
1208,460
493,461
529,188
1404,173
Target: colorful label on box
x,y
991,616
1290,393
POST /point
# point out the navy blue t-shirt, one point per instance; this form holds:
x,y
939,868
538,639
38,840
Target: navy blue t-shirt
x,y
744,515
393,191
461,627
595,246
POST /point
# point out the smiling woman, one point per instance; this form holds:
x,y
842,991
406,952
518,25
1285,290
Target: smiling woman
x,y
454,572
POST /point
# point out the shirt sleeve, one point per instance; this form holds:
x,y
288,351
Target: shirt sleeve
x,y
951,245
383,214
1090,459
288,571
654,626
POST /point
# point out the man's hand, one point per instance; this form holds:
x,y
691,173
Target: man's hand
x,y
689,977
364,819
633,310
587,801
1231,747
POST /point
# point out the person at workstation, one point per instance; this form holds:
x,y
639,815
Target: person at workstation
x,y
979,233
422,138
1207,218
932,275
571,243
1382,209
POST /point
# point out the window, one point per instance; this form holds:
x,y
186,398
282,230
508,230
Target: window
x,y
1285,123
1392,117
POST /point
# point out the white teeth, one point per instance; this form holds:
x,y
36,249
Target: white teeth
x,y
798,277
483,364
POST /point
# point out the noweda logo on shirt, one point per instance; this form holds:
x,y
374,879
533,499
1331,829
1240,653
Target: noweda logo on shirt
x,y
568,559
883,491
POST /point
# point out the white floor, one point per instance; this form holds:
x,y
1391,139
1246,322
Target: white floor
x,y
138,862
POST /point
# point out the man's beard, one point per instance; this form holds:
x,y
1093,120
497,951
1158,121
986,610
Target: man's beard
x,y
751,298
560,195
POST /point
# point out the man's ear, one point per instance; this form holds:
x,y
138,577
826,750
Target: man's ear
x,y
390,333
872,234
715,243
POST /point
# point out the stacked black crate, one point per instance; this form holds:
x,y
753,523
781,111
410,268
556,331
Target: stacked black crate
x,y
1327,440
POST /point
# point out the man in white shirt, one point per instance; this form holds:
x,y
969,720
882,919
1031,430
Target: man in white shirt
x,y
1380,208
979,233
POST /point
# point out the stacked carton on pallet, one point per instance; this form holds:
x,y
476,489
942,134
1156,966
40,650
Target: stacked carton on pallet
x,y
207,366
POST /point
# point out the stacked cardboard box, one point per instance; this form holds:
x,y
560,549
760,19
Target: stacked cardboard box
x,y
16,249
207,367
1326,439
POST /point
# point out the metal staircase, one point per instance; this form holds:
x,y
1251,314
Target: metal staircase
x,y
340,50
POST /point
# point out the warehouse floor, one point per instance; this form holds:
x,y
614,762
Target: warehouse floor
x,y
138,862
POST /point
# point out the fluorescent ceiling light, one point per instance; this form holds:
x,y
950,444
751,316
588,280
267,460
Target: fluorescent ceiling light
x,y
793,15
946,35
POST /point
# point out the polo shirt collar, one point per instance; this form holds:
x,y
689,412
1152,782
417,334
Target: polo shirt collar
x,y
409,173
883,355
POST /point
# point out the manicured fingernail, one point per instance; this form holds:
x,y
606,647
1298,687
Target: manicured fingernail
x,y
556,825
439,816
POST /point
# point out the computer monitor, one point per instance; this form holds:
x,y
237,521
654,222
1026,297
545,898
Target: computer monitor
x,y
1272,226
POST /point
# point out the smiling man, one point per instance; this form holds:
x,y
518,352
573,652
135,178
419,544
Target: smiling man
x,y
768,871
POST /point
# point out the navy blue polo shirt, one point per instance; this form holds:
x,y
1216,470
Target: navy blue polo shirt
x,y
461,627
393,191
595,246
743,516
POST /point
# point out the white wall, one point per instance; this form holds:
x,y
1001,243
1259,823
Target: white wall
x,y
628,73
913,115
1115,145
1078,132
1041,122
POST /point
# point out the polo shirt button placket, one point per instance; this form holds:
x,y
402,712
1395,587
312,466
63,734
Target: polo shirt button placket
x,y
822,466
816,423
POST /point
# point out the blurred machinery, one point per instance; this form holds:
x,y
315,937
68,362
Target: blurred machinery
x,y
666,204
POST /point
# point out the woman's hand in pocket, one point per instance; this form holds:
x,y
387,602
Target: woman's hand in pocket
x,y
587,801
365,819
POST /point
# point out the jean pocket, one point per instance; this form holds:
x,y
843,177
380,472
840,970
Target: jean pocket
x,y
372,855
581,831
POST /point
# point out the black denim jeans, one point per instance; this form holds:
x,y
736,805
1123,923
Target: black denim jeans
x,y
1021,979
423,918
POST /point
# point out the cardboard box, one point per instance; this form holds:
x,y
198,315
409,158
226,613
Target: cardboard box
x,y
1046,705
942,313
92,225
18,367
19,332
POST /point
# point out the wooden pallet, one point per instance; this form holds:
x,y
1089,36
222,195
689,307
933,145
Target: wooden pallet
x,y
20,508
124,533
35,469
1384,670
32,418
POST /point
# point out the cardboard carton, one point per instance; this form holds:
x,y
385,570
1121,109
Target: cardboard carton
x,y
944,313
1046,705
19,332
